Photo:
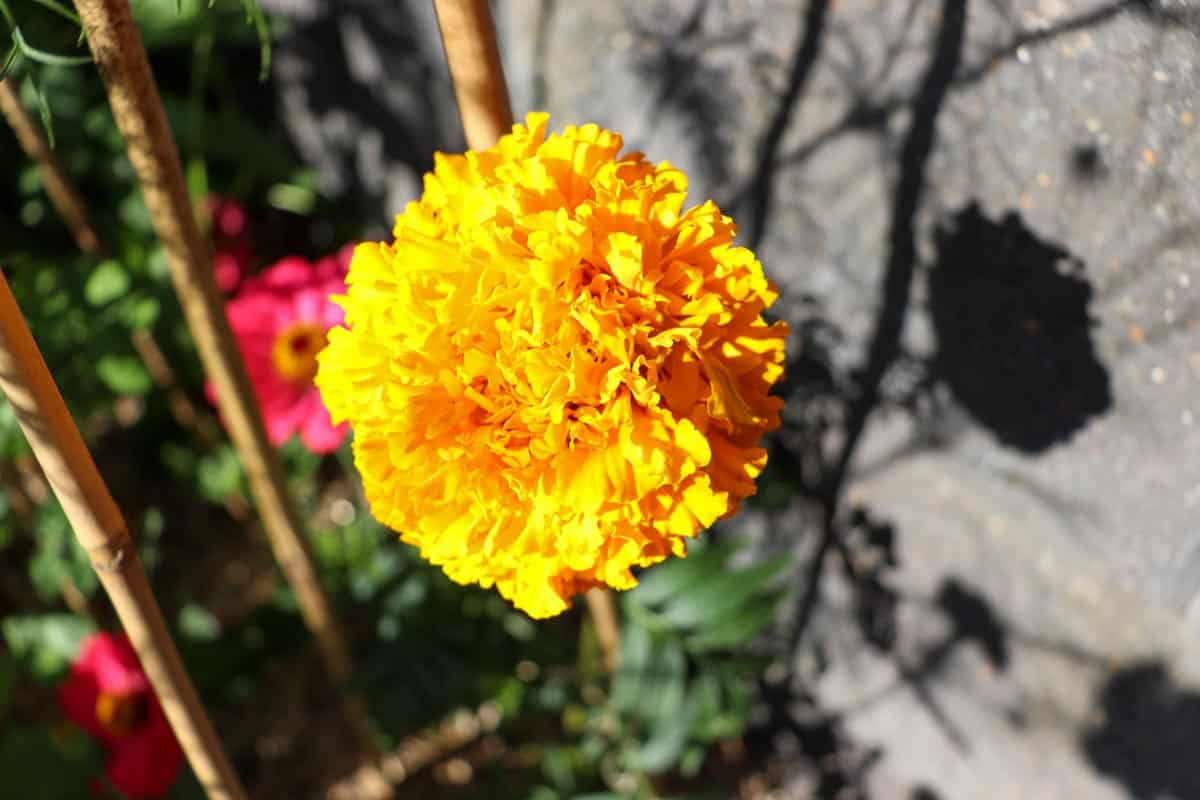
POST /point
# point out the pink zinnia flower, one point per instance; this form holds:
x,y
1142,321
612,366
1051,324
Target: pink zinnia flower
x,y
109,696
233,250
280,319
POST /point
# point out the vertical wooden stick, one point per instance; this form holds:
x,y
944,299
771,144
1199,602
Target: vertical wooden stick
x,y
103,534
58,185
121,58
469,37
132,93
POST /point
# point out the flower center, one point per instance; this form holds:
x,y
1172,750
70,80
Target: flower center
x,y
119,714
295,351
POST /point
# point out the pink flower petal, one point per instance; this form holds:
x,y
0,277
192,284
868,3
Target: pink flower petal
x,y
318,432
106,663
145,763
287,274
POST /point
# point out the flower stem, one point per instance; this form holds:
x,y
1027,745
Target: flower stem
x,y
59,187
120,55
104,536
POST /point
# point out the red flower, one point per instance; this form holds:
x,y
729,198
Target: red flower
x,y
280,319
233,250
109,696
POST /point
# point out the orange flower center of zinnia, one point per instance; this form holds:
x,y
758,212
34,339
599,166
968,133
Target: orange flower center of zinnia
x,y
119,714
295,351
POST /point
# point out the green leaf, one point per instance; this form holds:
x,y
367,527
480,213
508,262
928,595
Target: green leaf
x,y
140,312
123,374
556,765
198,623
42,57
60,9
720,595
47,642
667,740
627,683
678,576
736,627
255,17
43,106
9,60
59,761
220,474
57,557
107,282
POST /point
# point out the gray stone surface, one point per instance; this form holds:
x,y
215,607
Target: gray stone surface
x,y
1034,440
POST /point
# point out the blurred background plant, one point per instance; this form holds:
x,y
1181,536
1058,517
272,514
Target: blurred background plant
x,y
470,697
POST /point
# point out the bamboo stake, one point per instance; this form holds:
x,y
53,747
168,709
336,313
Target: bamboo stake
x,y
58,185
117,48
103,534
120,55
469,38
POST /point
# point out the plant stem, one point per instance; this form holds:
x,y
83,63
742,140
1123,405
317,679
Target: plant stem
x,y
104,536
469,37
58,185
603,609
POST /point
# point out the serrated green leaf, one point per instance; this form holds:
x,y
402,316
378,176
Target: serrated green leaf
x,y
668,737
627,683
123,374
678,576
717,596
737,626
107,282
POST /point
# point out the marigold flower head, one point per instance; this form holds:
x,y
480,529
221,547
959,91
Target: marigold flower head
x,y
555,373
109,696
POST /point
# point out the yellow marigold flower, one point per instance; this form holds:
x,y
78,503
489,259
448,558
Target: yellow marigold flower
x,y
554,373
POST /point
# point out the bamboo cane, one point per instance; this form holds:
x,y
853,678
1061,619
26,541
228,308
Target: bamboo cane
x,y
62,191
120,55
469,39
104,536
